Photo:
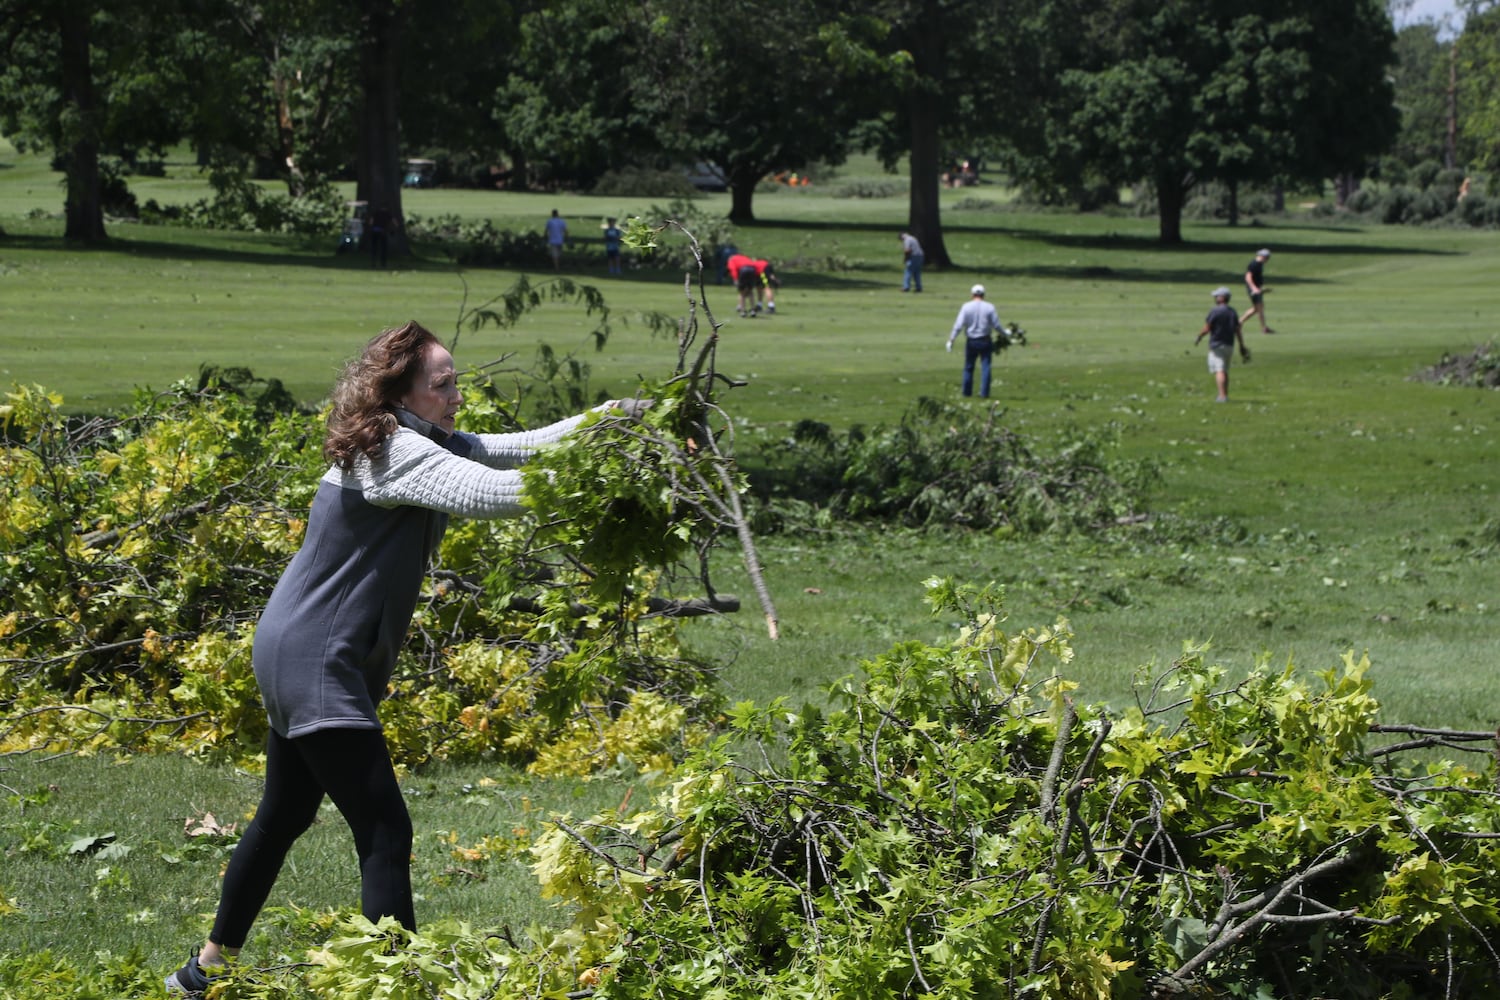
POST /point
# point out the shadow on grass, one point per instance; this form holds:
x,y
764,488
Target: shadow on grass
x,y
278,251
847,280
1246,244
305,252
1166,276
284,251
1242,240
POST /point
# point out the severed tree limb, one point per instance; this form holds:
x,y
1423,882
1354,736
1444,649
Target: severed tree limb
x,y
1054,765
702,447
597,852
1225,933
99,539
1429,737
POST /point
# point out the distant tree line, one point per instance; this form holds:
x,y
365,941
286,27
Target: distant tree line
x,y
1073,99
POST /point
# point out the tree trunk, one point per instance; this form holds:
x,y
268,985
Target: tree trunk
x,y
1171,195
1344,185
924,214
379,166
1234,202
741,207
1450,141
518,178
925,104
286,139
80,142
742,184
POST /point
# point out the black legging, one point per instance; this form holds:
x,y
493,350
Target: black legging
x,y
351,766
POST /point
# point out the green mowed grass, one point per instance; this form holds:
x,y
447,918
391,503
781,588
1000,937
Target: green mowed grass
x,y
1333,506
1326,438
155,890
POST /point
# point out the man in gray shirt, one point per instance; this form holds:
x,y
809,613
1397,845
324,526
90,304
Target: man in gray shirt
x,y
978,321
912,256
1223,329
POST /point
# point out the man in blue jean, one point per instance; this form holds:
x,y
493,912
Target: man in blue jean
x,y
912,251
978,320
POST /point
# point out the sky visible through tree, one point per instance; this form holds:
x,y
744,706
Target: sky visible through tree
x,y
1431,10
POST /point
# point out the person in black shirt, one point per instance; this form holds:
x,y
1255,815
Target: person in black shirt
x,y
1255,284
1223,329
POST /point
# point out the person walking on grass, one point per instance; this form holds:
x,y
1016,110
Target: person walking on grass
x,y
912,258
327,641
612,240
1255,284
557,235
1223,329
978,321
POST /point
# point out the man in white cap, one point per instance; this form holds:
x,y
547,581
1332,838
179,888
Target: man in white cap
x,y
1222,328
978,321
1255,284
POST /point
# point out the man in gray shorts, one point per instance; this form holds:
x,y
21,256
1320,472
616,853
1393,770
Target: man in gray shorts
x,y
1223,330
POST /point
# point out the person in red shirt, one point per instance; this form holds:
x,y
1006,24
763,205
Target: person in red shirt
x,y
746,277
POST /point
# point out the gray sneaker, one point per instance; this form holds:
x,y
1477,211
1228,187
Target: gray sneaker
x,y
190,980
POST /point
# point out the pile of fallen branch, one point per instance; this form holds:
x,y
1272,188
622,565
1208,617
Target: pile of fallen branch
x,y
959,826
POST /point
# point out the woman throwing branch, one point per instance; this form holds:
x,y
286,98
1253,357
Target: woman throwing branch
x,y
326,645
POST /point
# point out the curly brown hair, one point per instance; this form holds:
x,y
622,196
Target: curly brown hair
x,y
367,391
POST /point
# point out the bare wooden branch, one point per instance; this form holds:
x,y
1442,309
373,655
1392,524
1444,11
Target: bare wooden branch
x,y
1054,765
101,539
1224,933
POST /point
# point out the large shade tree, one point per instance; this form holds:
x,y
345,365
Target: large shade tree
x,y
1343,115
935,74
746,86
1178,92
564,108
282,88
86,79
1478,73
378,164
1421,78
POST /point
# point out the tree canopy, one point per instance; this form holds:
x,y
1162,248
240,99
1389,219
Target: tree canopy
x,y
1180,92
1076,99
746,87
88,79
1478,70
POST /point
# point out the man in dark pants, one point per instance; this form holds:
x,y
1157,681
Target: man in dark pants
x,y
380,235
978,321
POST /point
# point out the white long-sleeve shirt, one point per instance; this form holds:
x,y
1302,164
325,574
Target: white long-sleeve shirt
x,y
977,319
327,642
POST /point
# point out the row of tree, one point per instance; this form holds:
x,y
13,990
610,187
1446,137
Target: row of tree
x,y
1068,96
1447,92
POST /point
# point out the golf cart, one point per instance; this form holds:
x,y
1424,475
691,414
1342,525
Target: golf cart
x,y
706,177
419,174
354,226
